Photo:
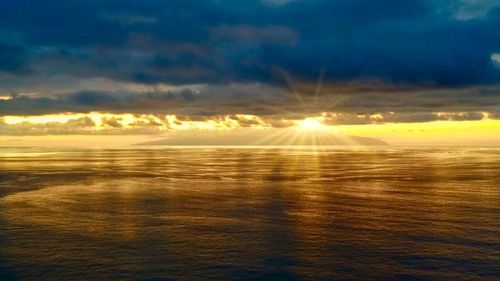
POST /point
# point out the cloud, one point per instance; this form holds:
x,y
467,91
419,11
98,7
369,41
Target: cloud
x,y
140,124
470,9
262,100
396,41
251,35
249,57
12,59
276,3
403,117
496,58
126,18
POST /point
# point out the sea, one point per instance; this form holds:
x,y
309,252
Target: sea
x,y
250,213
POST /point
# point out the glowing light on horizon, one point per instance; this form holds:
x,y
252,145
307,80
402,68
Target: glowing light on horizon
x,y
314,129
163,122
310,124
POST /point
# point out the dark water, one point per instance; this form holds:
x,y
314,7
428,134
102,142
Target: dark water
x,y
250,214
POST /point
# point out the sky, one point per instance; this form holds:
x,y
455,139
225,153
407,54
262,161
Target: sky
x,y
421,71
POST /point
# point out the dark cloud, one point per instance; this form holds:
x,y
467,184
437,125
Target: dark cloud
x,y
397,41
249,36
12,59
428,46
402,117
257,99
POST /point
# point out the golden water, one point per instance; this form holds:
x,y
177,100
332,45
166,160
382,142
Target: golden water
x,y
250,214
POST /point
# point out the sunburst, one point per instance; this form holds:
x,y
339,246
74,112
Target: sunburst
x,y
310,124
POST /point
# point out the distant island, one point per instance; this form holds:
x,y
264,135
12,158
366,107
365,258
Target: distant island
x,y
321,139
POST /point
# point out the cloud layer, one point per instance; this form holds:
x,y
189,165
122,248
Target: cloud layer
x,y
257,99
249,57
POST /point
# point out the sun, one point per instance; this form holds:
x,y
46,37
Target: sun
x,y
310,124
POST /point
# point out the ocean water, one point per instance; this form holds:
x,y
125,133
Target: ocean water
x,y
250,214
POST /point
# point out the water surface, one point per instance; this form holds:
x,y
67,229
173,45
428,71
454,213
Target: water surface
x,y
249,214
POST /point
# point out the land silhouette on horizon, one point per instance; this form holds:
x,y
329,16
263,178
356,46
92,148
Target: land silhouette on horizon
x,y
278,138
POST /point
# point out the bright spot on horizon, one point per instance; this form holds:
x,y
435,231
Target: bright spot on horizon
x,y
310,124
